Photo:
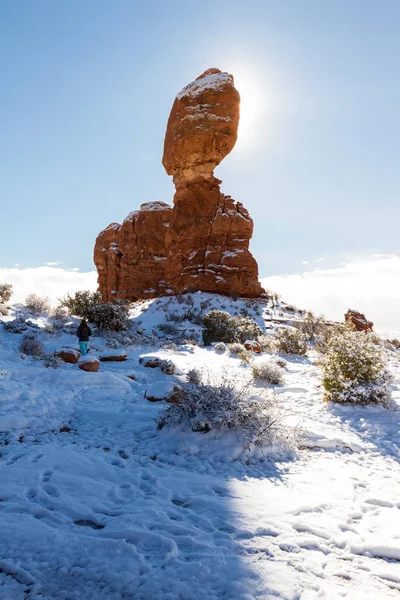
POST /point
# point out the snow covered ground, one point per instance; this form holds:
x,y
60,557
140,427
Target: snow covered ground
x,y
96,503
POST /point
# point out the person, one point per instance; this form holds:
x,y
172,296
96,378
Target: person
x,y
83,334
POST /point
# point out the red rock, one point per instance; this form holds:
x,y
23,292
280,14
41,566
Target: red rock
x,y
114,356
358,320
253,346
89,363
68,355
203,241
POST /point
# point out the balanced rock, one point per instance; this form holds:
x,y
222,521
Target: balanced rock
x,y
201,242
359,320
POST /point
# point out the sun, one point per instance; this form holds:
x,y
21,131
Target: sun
x,y
251,105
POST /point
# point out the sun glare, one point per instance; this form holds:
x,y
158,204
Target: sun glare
x,y
251,106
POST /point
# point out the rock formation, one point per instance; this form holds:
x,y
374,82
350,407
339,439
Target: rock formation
x,y
358,320
202,242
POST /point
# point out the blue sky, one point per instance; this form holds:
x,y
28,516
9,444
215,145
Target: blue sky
x,y
87,86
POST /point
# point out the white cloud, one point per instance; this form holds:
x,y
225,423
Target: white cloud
x,y
371,286
50,264
47,281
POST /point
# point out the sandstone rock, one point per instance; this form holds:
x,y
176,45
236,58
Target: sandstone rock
x,y
253,346
203,241
89,363
68,355
171,392
151,362
130,258
116,356
358,320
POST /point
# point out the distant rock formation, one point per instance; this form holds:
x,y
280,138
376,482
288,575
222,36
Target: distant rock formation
x,y
358,320
203,241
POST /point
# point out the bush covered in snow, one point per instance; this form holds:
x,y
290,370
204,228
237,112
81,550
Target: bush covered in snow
x,y
281,362
169,329
353,369
194,376
220,326
31,346
267,343
268,371
316,330
220,347
81,303
6,290
291,341
223,407
112,316
37,304
17,325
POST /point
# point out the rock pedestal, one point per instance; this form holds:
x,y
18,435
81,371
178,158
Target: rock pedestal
x,y
203,241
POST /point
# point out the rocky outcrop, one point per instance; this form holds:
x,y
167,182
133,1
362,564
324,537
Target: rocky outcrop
x,y
358,320
203,241
130,258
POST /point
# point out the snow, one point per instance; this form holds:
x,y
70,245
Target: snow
x,y
214,82
97,504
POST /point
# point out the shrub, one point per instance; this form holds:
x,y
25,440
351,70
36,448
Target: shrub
x,y
4,310
36,304
267,343
175,317
220,347
17,325
6,290
52,362
194,376
31,346
353,369
281,362
112,316
169,329
220,326
291,341
316,330
81,303
268,371
223,407
247,329
236,348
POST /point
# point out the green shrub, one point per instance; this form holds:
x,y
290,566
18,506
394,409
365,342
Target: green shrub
x,y
291,341
81,303
112,316
220,326
353,369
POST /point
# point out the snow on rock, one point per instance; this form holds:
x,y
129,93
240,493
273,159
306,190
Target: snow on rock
x,y
163,390
68,355
114,355
89,363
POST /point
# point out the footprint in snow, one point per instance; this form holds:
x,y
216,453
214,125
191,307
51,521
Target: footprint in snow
x,y
89,523
47,475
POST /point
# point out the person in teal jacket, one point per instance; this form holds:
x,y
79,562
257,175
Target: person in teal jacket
x,y
83,333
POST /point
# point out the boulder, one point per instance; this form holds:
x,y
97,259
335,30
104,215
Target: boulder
x,y
203,240
89,363
171,392
150,361
114,356
358,320
253,346
68,355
